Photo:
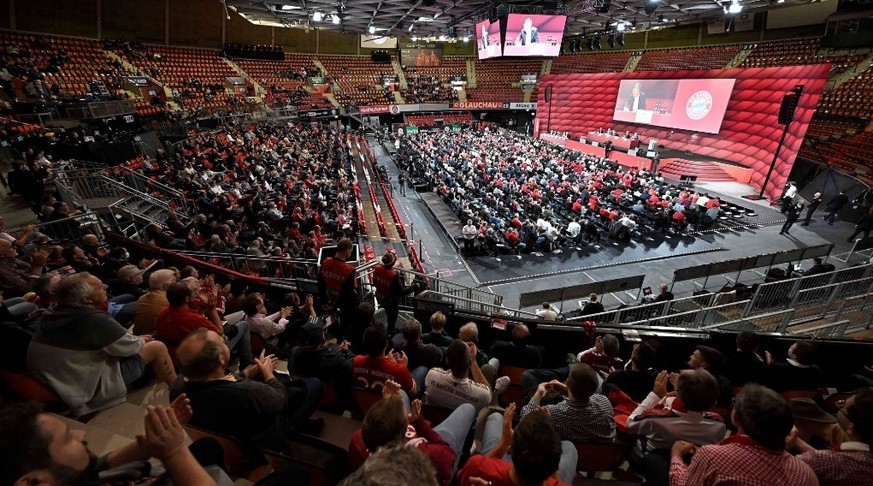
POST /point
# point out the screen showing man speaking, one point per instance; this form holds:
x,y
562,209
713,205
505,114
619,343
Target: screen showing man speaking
x,y
534,35
687,104
488,39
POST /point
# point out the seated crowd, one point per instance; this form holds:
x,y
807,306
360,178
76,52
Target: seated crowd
x,y
270,190
435,393
530,195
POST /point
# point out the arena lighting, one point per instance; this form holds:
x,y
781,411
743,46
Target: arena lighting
x,y
371,30
734,8
336,20
414,39
317,16
466,38
620,26
411,26
442,37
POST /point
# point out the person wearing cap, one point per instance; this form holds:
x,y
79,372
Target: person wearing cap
x,y
849,462
814,425
389,288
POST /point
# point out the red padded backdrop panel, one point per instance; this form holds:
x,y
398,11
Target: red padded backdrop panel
x,y
749,134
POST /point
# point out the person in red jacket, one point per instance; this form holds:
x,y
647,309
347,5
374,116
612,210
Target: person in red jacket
x,y
390,288
388,423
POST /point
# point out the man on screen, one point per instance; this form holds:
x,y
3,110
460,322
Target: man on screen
x,y
528,34
637,99
484,36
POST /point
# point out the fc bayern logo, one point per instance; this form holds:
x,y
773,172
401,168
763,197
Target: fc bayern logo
x,y
395,109
699,105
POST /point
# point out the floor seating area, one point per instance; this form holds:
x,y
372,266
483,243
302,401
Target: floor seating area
x,y
714,57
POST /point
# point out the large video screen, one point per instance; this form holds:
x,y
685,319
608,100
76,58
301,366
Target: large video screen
x,y
687,104
421,55
488,39
534,35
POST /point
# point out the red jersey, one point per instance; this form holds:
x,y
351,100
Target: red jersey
x,y
370,373
493,470
174,324
335,273
383,279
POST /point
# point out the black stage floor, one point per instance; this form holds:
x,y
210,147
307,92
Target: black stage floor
x,y
489,270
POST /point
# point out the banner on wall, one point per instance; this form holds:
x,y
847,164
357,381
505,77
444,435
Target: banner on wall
x,y
478,105
520,106
138,81
744,22
374,109
715,25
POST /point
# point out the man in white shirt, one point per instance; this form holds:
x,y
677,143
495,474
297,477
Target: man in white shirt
x,y
453,387
547,313
573,229
469,231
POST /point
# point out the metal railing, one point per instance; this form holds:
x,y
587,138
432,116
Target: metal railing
x,y
648,311
261,266
68,229
771,322
453,289
464,305
174,198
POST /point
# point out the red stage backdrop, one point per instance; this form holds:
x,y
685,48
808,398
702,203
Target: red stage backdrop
x,y
750,132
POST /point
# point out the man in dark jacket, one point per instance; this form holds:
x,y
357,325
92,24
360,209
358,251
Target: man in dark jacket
x,y
865,224
792,214
834,205
813,205
745,365
518,352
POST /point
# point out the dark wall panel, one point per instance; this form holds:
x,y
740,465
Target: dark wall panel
x,y
141,20
296,40
196,23
241,31
64,17
4,14
331,42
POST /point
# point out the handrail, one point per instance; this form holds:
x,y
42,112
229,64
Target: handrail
x,y
88,176
665,306
177,196
476,306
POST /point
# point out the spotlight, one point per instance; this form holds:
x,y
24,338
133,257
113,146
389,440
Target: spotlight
x,y
335,20
734,8
317,16
620,26
371,30
442,37
466,38
414,39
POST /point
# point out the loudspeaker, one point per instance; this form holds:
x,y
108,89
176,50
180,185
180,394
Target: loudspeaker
x,y
548,94
611,40
620,39
650,8
789,104
597,43
605,7
590,44
427,3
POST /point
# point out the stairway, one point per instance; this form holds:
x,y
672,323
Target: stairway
x,y
398,98
738,58
547,67
704,170
239,71
364,181
320,67
471,74
330,97
400,76
632,63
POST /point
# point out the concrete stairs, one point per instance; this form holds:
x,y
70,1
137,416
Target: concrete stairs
x,y
547,67
632,63
462,95
398,70
471,74
320,67
258,88
398,98
851,73
738,58
330,97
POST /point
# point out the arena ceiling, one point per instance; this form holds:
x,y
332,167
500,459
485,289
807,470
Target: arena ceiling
x,y
433,18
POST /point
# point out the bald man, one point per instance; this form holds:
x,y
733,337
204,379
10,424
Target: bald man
x,y
254,406
153,301
517,352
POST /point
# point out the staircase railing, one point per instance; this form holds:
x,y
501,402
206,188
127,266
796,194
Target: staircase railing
x,y
174,198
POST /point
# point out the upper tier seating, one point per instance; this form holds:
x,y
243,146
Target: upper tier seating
x,y
69,64
599,62
715,57
494,78
781,53
359,79
853,98
430,83
284,81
